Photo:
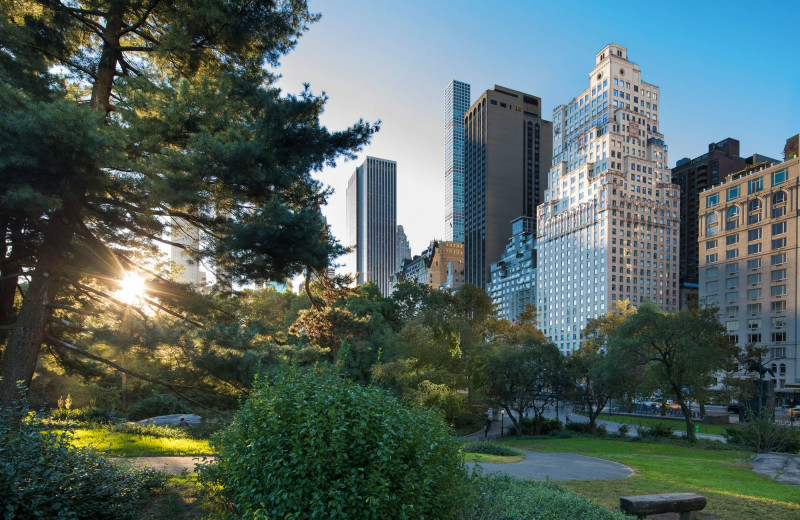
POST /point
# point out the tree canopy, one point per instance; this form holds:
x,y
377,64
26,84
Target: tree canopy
x,y
120,116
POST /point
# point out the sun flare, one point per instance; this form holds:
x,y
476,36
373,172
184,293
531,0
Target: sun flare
x,y
131,288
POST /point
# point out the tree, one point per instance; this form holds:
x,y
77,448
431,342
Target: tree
x,y
521,377
600,370
120,117
681,350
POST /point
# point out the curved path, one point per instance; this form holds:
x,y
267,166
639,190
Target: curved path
x,y
559,466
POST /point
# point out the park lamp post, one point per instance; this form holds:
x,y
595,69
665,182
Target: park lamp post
x,y
502,422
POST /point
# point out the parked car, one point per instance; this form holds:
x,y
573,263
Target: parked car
x,y
794,413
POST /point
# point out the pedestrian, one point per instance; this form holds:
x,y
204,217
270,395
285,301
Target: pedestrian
x,y
486,428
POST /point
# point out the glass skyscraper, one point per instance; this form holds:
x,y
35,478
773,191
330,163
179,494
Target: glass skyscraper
x,y
456,103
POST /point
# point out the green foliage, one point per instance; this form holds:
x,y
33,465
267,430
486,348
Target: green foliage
x,y
623,430
658,430
86,415
511,498
43,476
313,444
160,404
580,427
490,448
763,435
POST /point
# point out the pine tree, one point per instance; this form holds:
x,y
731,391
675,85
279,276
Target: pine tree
x,y
120,115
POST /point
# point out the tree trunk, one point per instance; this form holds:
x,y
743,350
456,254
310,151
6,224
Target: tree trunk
x,y
687,414
513,421
27,333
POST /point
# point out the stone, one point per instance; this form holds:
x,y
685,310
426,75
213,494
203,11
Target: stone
x,y
178,419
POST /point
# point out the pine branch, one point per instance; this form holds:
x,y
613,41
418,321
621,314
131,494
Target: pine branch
x,y
71,309
141,21
171,312
105,296
173,387
65,323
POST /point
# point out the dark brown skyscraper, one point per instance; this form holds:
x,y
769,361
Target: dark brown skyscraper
x,y
508,153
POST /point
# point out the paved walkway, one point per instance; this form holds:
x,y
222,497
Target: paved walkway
x,y
559,466
782,467
165,464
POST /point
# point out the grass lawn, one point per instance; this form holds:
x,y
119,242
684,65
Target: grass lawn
x,y
181,499
717,429
733,491
117,444
492,459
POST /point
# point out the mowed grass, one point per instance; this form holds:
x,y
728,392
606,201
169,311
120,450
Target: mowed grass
x,y
717,429
492,459
724,477
117,444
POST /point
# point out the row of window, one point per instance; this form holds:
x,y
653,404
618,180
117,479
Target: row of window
x,y
753,186
752,279
752,263
752,294
755,308
754,214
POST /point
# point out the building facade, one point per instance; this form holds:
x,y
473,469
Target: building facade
x,y
508,149
749,263
372,221
440,266
694,176
456,103
609,227
188,269
513,278
403,248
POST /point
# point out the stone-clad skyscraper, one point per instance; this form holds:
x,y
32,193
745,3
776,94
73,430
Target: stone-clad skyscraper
x,y
456,102
372,221
608,229
507,152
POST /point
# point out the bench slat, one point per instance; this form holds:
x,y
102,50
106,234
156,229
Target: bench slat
x,y
664,503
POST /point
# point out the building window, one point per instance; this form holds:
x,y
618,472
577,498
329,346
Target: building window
x,y
732,310
754,263
713,257
712,272
753,249
753,308
779,306
778,243
754,279
754,294
731,297
779,258
732,326
778,337
754,212
778,290
732,283
754,338
712,286
755,185
754,323
732,218
778,322
732,239
731,269
733,192
778,275
731,253
778,177
754,234
779,204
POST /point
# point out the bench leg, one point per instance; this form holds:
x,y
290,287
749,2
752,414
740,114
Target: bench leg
x,y
684,516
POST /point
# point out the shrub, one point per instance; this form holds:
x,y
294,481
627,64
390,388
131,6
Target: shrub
x,y
511,498
155,405
623,430
600,429
43,476
87,415
540,426
489,448
763,435
314,445
658,430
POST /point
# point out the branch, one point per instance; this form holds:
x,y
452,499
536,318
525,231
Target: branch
x,y
78,15
142,19
58,343
71,309
135,48
65,323
106,296
171,312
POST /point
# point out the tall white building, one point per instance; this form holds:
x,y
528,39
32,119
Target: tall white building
x,y
372,221
403,248
456,103
189,236
608,229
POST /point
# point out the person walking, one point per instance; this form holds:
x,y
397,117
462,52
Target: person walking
x,y
486,428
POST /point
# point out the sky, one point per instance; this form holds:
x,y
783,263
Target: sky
x,y
725,69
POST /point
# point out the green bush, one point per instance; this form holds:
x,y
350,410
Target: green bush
x,y
155,405
623,430
511,498
658,430
86,415
581,427
314,445
489,448
43,476
762,435
540,426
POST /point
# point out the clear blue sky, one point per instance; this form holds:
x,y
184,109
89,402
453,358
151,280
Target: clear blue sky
x,y
725,69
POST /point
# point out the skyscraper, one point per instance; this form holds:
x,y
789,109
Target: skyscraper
x,y
507,151
189,236
403,248
608,229
749,265
694,176
456,102
372,221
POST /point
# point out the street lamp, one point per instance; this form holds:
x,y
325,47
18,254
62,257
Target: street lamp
x,y
502,422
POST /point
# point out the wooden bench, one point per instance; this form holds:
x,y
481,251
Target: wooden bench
x,y
644,505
